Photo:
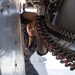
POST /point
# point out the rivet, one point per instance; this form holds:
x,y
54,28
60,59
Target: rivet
x,y
15,64
1,9
15,42
0,46
8,5
13,20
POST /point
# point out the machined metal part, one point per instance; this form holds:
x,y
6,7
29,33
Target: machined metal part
x,y
11,52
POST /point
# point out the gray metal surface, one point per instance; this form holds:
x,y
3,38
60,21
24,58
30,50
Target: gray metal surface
x,y
65,17
11,54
